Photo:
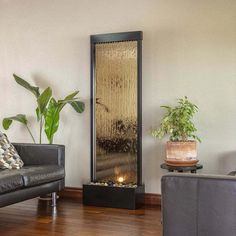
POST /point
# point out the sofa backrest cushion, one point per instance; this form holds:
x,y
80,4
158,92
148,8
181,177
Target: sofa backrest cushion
x,y
9,158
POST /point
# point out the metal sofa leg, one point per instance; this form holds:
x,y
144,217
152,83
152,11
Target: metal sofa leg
x,y
54,199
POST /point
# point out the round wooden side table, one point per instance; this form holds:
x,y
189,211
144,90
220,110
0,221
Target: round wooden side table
x,y
192,169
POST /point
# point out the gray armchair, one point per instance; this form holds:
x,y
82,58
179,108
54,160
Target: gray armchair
x,y
198,205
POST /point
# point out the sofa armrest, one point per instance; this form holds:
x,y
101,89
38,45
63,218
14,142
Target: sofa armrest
x,y
41,154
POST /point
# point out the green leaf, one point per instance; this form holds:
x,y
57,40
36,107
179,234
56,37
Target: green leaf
x,y
71,96
68,99
178,121
43,100
6,123
25,84
167,107
78,106
37,114
52,119
52,115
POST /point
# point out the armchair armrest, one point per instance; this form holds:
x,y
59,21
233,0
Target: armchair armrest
x,y
198,205
41,154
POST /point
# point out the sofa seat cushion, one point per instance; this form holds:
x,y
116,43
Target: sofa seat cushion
x,y
10,180
36,175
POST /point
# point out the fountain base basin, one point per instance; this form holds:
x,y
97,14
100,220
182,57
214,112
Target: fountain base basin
x,y
116,196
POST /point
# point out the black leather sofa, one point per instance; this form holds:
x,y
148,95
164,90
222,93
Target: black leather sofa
x,y
43,173
198,205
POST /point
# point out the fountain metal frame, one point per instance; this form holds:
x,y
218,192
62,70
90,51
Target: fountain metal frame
x,y
113,196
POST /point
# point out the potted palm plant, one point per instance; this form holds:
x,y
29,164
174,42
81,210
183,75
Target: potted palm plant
x,y
181,149
47,110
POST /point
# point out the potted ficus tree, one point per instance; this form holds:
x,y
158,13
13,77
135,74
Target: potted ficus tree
x,y
181,149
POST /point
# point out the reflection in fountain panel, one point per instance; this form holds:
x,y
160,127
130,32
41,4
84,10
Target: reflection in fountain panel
x,y
116,111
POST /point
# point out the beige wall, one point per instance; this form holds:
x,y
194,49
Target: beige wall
x,y
189,48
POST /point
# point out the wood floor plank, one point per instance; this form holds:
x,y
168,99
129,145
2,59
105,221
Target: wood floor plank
x,y
71,218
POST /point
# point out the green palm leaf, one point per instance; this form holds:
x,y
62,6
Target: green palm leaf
x,y
78,106
6,123
68,99
26,85
52,117
43,100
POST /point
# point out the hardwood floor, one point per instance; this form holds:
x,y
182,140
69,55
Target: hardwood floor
x,y
71,218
